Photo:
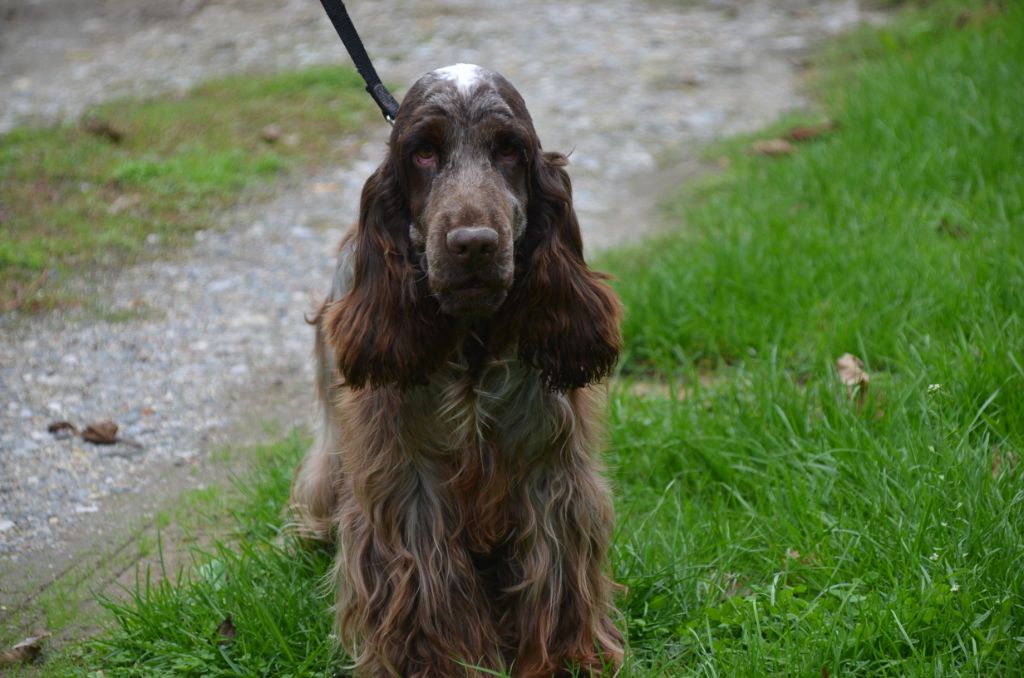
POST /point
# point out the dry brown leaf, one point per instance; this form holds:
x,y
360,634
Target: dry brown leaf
x,y
24,652
952,229
103,129
22,294
735,587
227,628
125,202
809,132
982,15
851,372
771,147
326,187
62,430
101,433
1003,462
271,133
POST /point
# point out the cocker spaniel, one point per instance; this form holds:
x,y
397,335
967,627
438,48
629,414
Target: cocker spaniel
x,y
456,463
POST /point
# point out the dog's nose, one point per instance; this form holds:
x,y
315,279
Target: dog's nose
x,y
473,244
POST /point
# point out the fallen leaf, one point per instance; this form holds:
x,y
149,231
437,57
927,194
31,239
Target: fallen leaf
x,y
22,294
271,133
62,430
326,187
101,433
24,652
792,554
735,587
99,127
983,14
771,147
851,372
1003,462
952,229
809,132
227,628
124,203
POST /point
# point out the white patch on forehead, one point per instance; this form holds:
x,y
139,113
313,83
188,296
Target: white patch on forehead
x,y
464,76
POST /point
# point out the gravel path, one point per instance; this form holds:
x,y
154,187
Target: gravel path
x,y
217,341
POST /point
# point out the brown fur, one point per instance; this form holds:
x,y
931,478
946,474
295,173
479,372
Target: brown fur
x,y
455,465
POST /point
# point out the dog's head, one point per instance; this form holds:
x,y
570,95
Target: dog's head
x,y
469,221
462,145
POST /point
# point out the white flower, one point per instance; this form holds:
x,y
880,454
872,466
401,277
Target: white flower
x,y
932,388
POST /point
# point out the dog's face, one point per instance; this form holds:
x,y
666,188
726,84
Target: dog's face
x,y
468,219
462,145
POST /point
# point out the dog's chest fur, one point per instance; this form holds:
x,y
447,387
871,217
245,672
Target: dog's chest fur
x,y
501,409
480,433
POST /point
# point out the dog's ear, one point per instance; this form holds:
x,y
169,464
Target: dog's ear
x,y
387,330
564,316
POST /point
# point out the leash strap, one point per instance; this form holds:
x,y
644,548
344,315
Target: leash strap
x,y
347,32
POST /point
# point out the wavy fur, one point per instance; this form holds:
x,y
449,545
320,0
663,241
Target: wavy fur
x,y
456,463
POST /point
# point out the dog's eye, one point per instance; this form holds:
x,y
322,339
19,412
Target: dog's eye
x,y
426,156
508,153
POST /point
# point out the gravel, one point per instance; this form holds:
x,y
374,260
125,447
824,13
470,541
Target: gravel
x,y
214,341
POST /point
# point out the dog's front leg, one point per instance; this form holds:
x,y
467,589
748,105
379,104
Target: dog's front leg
x,y
560,590
410,602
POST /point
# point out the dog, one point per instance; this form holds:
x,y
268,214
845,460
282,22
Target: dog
x,y
461,353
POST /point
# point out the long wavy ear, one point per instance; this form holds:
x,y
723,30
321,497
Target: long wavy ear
x,y
387,329
566,319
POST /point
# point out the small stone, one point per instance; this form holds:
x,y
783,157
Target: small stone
x,y
5,524
221,285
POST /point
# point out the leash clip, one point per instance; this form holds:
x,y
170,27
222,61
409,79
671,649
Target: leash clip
x,y
339,17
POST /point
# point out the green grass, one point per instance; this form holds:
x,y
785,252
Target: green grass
x,y
768,524
71,198
271,590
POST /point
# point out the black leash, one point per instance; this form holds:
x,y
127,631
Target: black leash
x,y
347,32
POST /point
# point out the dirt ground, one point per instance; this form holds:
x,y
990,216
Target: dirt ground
x,y
632,88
